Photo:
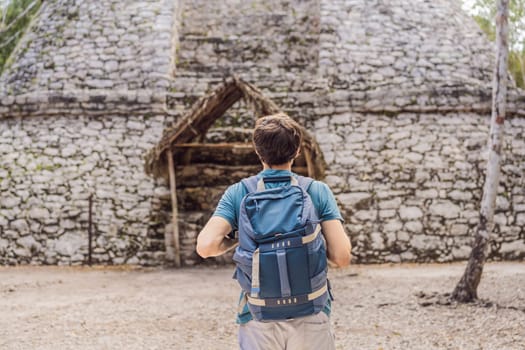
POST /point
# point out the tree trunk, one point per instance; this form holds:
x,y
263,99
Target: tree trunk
x,y
466,289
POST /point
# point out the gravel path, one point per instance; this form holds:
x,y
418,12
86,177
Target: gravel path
x,y
376,307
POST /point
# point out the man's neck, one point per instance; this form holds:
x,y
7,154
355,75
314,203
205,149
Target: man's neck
x,y
285,166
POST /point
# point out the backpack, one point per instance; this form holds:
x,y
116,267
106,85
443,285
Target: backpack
x,y
281,262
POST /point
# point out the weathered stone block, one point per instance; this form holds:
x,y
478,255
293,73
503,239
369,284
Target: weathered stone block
x,y
426,242
29,243
459,230
9,201
39,213
414,157
407,256
392,226
70,243
500,219
427,194
22,253
403,236
377,241
365,215
4,244
502,203
394,203
520,219
386,213
21,226
516,248
356,199
461,253
460,195
410,213
445,209
414,226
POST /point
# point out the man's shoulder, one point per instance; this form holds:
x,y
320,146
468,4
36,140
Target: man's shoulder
x,y
238,189
318,187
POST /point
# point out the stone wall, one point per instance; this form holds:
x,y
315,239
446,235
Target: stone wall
x,y
410,186
48,169
81,103
388,88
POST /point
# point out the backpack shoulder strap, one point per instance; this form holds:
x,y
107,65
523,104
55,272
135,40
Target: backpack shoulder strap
x,y
305,182
250,183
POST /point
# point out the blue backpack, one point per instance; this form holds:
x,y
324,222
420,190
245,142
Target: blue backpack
x,y
281,258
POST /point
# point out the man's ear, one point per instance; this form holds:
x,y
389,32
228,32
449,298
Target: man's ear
x,y
298,153
257,153
258,156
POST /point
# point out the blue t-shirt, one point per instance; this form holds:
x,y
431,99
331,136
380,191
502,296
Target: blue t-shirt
x,y
230,205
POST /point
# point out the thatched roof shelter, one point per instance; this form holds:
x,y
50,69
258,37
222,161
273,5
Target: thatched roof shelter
x,y
180,138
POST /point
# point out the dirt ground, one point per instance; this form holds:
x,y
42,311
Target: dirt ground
x,y
376,307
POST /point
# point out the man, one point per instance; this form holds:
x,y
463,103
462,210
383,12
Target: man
x,y
277,139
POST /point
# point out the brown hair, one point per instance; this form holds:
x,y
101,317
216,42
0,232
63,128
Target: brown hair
x,y
277,138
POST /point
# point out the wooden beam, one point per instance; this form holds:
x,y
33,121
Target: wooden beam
x,y
174,208
205,175
203,115
224,145
220,153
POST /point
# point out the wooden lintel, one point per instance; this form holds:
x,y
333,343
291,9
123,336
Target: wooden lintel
x,y
214,145
219,153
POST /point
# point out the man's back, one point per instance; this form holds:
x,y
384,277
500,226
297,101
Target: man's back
x,y
277,141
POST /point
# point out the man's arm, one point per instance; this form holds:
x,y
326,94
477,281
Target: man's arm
x,y
338,246
212,239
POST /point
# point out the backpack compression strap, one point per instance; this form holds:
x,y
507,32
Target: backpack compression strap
x,y
293,242
295,300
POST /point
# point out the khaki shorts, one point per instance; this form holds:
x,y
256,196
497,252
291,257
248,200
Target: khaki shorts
x,y
310,332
